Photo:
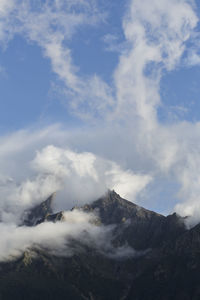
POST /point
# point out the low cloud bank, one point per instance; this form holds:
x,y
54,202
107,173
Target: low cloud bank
x,y
63,238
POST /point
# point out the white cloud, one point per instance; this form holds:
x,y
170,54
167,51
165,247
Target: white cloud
x,y
156,32
193,59
51,25
156,35
78,177
126,183
56,237
64,238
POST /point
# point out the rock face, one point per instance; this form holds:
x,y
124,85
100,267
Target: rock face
x,y
141,228
38,213
169,270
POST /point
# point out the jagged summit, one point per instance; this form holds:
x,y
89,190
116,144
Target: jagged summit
x,y
38,212
167,269
135,225
115,209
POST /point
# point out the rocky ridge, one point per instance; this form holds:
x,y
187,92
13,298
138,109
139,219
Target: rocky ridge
x,y
168,270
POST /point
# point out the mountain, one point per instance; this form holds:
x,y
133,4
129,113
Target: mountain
x,y
166,264
141,228
39,212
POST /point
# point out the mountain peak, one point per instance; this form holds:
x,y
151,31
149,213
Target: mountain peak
x,y
112,208
166,252
135,225
38,212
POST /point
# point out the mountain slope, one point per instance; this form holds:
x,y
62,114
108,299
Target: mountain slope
x,y
136,225
38,212
166,267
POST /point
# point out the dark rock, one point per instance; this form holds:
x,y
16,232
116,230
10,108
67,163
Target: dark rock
x,y
52,218
41,211
141,228
169,271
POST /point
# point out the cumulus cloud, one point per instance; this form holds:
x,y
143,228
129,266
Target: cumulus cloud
x,y
78,177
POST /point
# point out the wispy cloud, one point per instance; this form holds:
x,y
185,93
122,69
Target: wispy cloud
x,y
157,35
51,27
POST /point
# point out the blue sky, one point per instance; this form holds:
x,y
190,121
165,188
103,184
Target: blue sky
x,y
27,79
118,79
